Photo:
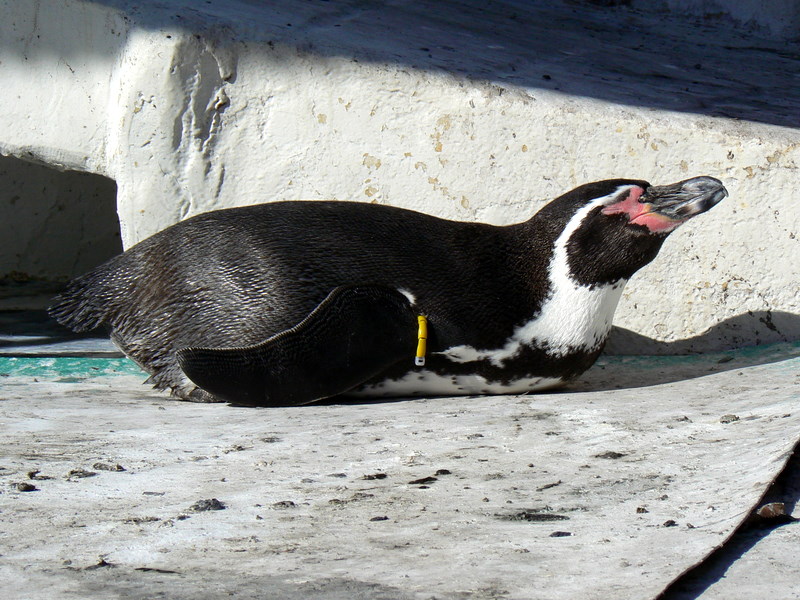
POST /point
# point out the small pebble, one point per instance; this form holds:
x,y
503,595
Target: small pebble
x,y
422,480
610,454
117,468
772,510
561,534
80,474
548,486
374,476
101,564
140,520
533,516
204,505
26,487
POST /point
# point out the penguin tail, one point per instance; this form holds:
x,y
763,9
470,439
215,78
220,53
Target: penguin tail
x,y
83,305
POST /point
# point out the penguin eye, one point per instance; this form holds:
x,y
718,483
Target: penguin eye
x,y
629,205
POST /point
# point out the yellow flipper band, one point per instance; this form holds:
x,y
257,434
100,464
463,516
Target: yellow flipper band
x,y
422,341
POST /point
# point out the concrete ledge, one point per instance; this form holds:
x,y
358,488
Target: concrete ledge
x,y
456,109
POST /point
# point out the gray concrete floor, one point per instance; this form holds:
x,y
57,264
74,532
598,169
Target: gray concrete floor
x,y
611,489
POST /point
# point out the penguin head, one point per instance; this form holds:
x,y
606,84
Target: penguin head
x,y
611,229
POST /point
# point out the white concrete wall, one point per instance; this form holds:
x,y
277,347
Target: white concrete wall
x,y
190,111
58,60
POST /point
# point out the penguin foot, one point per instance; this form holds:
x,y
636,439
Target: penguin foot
x,y
354,334
199,396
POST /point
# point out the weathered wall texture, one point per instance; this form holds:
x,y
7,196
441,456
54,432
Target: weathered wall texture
x,y
445,108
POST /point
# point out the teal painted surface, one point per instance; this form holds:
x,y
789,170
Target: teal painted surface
x,y
750,355
66,368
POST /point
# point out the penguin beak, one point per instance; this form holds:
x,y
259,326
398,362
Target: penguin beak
x,y
661,208
683,200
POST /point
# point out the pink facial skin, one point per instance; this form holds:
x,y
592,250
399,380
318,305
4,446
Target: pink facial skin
x,y
642,213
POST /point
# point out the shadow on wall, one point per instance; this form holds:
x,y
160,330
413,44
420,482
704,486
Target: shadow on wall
x,y
749,329
778,334
616,53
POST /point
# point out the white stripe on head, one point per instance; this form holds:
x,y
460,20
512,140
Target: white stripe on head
x,y
573,316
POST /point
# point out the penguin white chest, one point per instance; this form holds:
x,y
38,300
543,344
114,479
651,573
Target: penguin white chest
x,y
573,319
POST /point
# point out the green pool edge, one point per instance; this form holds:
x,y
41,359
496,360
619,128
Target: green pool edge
x,y
63,367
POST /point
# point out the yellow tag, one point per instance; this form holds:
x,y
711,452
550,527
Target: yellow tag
x,y
422,341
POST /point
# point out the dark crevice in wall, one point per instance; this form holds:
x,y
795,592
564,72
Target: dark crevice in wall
x,y
54,225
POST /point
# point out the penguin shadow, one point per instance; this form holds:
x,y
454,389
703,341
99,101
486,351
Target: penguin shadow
x,y
632,360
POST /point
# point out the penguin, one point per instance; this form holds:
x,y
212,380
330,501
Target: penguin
x,y
287,303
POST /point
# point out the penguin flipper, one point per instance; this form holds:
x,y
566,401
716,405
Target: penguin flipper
x,y
353,335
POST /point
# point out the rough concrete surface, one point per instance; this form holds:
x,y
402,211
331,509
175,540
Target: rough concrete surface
x,y
606,493
779,18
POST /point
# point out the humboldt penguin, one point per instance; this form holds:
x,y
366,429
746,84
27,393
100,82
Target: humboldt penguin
x,y
286,303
